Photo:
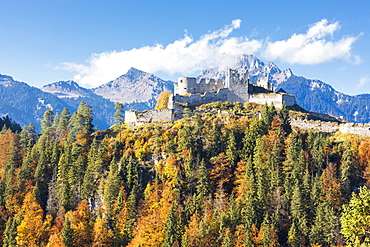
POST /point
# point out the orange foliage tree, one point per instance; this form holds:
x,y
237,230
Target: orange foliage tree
x,y
33,230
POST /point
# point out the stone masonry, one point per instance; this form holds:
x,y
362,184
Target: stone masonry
x,y
237,88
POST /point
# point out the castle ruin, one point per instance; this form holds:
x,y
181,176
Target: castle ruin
x,y
189,92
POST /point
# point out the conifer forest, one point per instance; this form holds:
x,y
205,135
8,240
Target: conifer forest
x,y
208,179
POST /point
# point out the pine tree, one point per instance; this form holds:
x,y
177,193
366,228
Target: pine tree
x,y
227,241
10,232
118,114
324,225
46,124
355,219
42,179
350,171
172,228
284,116
67,233
294,236
299,214
252,133
111,188
62,127
231,149
202,187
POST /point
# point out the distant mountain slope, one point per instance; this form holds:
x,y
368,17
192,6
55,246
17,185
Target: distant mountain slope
x,y
139,90
135,86
72,94
317,96
26,104
67,89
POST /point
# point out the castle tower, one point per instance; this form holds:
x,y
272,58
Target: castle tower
x,y
232,76
185,85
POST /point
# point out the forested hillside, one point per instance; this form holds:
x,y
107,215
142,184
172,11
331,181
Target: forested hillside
x,y
210,179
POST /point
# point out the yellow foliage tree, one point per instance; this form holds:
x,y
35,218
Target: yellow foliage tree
x,y
102,235
150,229
81,224
163,99
33,230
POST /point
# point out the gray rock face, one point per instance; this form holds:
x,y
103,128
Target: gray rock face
x,y
67,89
134,86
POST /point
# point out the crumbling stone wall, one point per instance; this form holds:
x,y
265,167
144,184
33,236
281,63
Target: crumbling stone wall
x,y
277,99
350,128
134,118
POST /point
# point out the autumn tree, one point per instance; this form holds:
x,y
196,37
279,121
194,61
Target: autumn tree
x,y
33,230
163,100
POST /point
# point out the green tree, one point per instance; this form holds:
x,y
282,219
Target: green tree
x,y
67,233
47,122
284,116
231,149
10,232
355,219
62,127
325,224
118,114
172,228
252,133
111,189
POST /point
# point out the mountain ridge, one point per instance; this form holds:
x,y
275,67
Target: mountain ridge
x,y
139,90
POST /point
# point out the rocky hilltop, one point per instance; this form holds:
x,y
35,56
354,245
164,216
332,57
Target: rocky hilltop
x,y
134,86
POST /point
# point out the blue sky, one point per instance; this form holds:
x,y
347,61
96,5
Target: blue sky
x,y
94,41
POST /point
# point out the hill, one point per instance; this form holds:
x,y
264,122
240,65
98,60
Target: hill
x,y
210,179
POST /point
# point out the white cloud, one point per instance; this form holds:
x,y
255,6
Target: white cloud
x,y
312,47
184,56
363,80
215,49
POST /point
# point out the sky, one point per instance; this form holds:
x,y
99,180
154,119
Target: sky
x,y
95,41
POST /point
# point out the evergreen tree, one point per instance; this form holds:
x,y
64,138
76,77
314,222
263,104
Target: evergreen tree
x,y
111,189
47,124
284,116
67,233
355,219
10,232
252,133
350,171
325,225
227,241
299,214
62,127
172,228
231,149
118,114
294,238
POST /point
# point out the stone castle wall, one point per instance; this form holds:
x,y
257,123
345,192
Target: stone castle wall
x,y
134,118
276,99
223,95
349,128
186,85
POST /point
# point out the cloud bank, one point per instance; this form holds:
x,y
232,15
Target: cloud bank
x,y
312,47
216,49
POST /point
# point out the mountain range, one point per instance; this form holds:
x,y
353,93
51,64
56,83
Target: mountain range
x,y
139,90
